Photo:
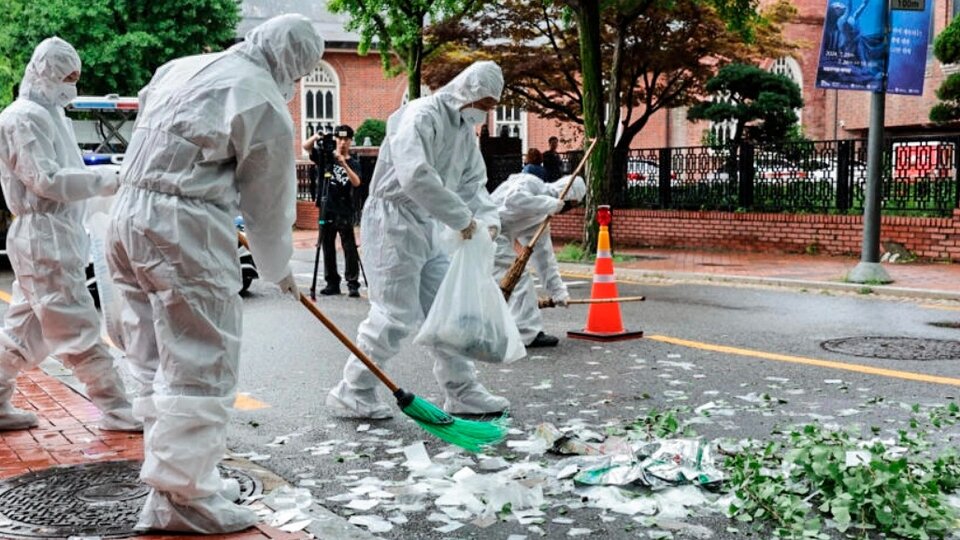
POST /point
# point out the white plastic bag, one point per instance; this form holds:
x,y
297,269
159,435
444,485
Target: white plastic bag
x,y
111,304
469,315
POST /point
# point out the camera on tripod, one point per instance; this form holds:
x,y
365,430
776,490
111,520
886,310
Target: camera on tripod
x,y
327,145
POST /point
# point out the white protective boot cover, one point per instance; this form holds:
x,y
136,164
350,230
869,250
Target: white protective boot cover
x,y
464,395
348,401
12,418
185,443
106,391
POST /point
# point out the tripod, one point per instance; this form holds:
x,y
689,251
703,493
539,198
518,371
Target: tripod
x,y
325,178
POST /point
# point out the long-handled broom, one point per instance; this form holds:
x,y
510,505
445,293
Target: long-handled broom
x,y
510,279
467,434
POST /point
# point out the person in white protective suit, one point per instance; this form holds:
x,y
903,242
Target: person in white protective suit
x,y
45,184
429,174
524,202
213,139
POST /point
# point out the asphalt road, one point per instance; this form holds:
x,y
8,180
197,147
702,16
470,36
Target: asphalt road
x,y
771,375
290,362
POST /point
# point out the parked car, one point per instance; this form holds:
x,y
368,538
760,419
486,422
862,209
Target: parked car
x,y
640,171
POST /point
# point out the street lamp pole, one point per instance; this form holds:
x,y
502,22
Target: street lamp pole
x,y
869,269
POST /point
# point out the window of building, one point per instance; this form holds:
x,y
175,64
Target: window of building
x,y
510,122
320,101
789,68
721,133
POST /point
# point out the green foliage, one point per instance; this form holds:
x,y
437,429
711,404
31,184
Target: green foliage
x,y
373,128
397,28
761,103
572,252
121,42
947,50
862,486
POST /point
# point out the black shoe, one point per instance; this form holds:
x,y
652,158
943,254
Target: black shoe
x,y
354,293
544,340
330,291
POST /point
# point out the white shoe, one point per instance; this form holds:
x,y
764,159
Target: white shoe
x,y
208,515
230,489
12,418
360,404
120,420
473,398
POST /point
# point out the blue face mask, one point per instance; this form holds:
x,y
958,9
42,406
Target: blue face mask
x,y
473,116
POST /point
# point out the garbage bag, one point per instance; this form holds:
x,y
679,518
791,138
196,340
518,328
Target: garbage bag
x,y
96,221
469,316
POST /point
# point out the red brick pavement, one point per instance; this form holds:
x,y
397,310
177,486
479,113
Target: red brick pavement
x,y
68,435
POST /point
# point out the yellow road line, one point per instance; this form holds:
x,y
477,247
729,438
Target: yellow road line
x,y
859,368
246,403
243,402
935,306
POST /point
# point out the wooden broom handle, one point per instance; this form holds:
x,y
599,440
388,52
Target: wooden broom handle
x,y
307,303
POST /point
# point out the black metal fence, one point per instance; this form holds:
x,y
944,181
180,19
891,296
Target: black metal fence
x,y
919,177
826,177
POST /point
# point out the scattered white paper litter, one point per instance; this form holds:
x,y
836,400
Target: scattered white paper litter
x,y
374,524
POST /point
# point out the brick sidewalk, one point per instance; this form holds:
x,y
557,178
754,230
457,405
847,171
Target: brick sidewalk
x,y
67,435
822,268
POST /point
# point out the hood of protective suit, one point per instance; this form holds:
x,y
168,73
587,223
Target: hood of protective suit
x,y
480,80
52,60
291,46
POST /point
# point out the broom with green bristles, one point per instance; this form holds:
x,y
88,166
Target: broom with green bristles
x,y
467,434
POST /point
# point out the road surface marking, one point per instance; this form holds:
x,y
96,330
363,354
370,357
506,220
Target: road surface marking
x,y
243,402
246,403
935,306
859,368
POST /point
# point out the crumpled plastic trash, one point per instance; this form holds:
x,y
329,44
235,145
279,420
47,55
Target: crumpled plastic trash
x,y
290,504
668,462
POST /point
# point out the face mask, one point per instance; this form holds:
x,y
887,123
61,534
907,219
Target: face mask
x,y
473,116
65,93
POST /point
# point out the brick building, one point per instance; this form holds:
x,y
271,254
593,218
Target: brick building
x,y
348,88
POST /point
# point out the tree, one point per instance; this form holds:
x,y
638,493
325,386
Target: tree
x,y
610,66
121,42
397,26
947,50
762,104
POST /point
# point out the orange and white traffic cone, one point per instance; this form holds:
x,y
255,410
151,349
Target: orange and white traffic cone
x,y
604,322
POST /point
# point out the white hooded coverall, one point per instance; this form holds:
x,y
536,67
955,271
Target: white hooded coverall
x,y
45,184
524,202
429,174
213,139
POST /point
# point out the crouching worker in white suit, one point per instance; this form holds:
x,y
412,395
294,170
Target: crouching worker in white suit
x,y
213,139
45,184
524,202
429,174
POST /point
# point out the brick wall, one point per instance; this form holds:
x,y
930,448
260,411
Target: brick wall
x,y
933,238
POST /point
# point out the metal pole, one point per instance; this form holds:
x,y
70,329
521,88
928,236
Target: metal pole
x,y
869,270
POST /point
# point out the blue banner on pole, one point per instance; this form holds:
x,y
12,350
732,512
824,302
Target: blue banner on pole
x,y
852,50
909,38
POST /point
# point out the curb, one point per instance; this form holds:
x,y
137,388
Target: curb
x,y
640,276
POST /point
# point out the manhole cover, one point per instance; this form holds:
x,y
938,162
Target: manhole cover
x,y
896,348
98,499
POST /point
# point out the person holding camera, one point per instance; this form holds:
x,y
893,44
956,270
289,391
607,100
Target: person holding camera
x,y
336,180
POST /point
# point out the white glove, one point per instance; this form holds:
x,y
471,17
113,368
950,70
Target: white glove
x,y
109,177
288,285
577,191
467,233
561,300
560,206
493,232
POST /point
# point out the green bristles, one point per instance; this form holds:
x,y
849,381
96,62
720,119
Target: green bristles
x,y
467,434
